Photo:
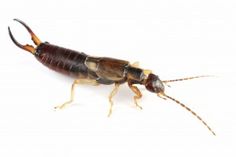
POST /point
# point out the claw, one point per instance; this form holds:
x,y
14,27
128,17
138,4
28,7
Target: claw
x,y
26,47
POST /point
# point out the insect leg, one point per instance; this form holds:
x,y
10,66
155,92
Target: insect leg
x,y
135,64
76,82
138,94
112,94
145,71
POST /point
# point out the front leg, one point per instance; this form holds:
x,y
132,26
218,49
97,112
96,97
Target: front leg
x,y
137,92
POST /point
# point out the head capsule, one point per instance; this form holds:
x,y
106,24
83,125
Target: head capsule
x,y
154,84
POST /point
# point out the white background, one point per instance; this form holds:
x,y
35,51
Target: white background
x,y
173,38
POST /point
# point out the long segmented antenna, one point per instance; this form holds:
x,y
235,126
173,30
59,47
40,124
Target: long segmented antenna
x,y
187,108
187,78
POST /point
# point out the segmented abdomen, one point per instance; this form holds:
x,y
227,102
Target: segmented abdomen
x,y
63,60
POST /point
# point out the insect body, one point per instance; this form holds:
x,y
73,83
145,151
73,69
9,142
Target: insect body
x,y
98,70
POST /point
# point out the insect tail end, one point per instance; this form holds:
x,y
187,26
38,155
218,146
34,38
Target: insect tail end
x,y
26,47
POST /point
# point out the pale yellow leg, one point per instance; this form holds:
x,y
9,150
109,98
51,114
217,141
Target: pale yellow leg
x,y
76,82
112,94
135,64
147,72
137,96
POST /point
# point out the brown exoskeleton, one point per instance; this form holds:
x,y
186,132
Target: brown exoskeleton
x,y
98,70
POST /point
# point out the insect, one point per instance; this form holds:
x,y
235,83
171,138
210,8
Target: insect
x,y
91,70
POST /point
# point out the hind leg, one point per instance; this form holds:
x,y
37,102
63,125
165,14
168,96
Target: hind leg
x,y
76,82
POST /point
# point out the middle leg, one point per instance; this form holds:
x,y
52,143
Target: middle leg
x,y
112,94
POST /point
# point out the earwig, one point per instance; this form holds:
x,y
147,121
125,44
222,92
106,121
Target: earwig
x,y
91,70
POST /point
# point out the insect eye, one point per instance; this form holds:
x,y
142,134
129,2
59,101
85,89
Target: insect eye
x,y
159,86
